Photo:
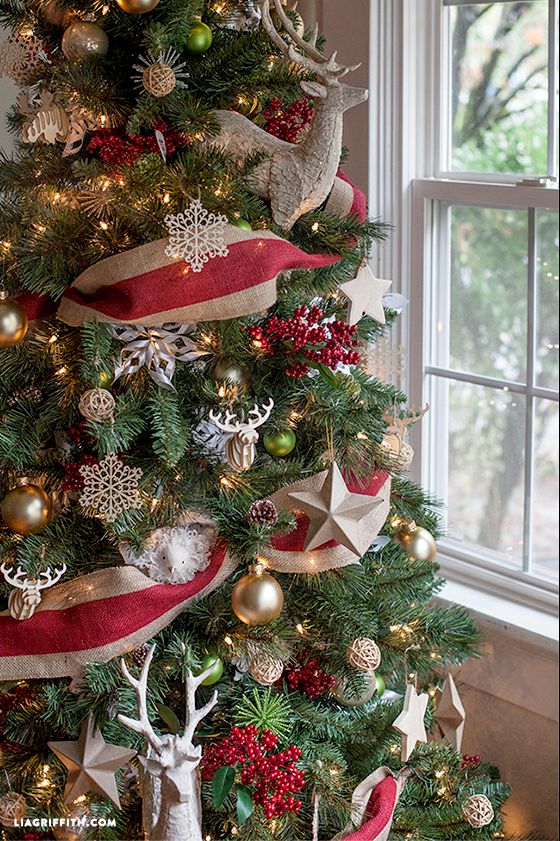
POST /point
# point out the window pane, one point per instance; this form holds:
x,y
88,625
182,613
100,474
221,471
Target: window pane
x,y
486,471
488,323
545,490
499,87
546,363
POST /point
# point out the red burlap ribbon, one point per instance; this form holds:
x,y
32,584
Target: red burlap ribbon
x,y
144,285
373,807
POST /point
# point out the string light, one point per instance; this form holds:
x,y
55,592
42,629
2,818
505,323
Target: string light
x,y
45,781
103,225
53,339
166,198
228,641
300,629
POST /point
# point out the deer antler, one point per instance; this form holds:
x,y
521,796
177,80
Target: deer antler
x,y
20,578
260,418
415,415
50,579
225,425
194,716
141,725
327,68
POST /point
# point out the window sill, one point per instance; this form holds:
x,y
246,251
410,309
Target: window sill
x,y
500,604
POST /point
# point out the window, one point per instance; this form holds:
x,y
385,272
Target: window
x,y
482,254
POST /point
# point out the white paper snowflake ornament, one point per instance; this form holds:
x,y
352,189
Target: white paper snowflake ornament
x,y
196,235
110,487
172,555
155,348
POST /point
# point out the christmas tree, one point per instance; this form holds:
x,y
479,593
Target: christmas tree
x,y
217,576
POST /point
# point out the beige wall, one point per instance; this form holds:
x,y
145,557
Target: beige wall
x,y
7,96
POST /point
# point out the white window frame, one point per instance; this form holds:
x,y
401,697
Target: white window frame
x,y
409,178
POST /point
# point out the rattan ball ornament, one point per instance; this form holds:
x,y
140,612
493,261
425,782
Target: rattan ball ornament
x,y
364,655
394,453
478,811
266,670
97,404
343,694
159,79
12,808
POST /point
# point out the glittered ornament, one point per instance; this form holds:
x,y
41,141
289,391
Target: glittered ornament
x,y
417,542
13,321
231,378
200,38
12,808
478,811
210,661
97,404
26,509
343,694
76,828
84,39
137,7
257,598
160,74
364,655
262,512
266,670
280,444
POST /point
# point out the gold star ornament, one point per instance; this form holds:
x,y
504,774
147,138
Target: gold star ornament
x,y
91,764
335,513
450,713
365,295
410,723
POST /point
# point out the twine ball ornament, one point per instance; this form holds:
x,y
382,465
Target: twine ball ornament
x,y
364,655
26,509
13,321
394,453
159,79
343,695
257,598
12,808
84,39
266,670
478,811
97,404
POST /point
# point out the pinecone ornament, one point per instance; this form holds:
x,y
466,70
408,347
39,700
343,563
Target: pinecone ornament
x,y
139,654
262,512
30,393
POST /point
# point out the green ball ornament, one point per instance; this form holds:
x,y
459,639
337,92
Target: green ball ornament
x,y
216,673
242,224
200,38
380,684
280,444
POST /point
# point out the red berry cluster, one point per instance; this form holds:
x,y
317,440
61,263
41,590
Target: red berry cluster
x,y
310,678
123,150
470,760
307,342
73,479
260,341
288,121
273,776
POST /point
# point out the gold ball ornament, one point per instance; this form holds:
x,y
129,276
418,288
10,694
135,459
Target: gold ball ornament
x,y
266,670
97,404
346,698
478,811
13,321
417,542
51,12
137,7
200,38
12,808
84,39
364,655
257,598
26,509
231,377
78,812
159,79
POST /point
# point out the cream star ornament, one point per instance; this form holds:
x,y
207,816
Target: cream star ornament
x,y
410,723
365,293
91,764
450,713
335,513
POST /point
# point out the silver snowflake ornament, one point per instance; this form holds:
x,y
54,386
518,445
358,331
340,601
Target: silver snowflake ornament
x,y
196,235
110,487
155,348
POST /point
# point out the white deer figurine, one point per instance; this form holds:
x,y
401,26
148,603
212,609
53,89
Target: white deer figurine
x,y
24,600
296,178
171,786
241,448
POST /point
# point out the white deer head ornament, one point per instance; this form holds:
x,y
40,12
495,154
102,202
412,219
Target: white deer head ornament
x,y
26,597
241,447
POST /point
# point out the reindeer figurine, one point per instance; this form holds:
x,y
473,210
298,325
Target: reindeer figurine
x,y
397,452
296,178
241,448
26,597
171,795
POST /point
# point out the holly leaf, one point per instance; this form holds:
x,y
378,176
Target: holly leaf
x,y
168,716
222,782
244,804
